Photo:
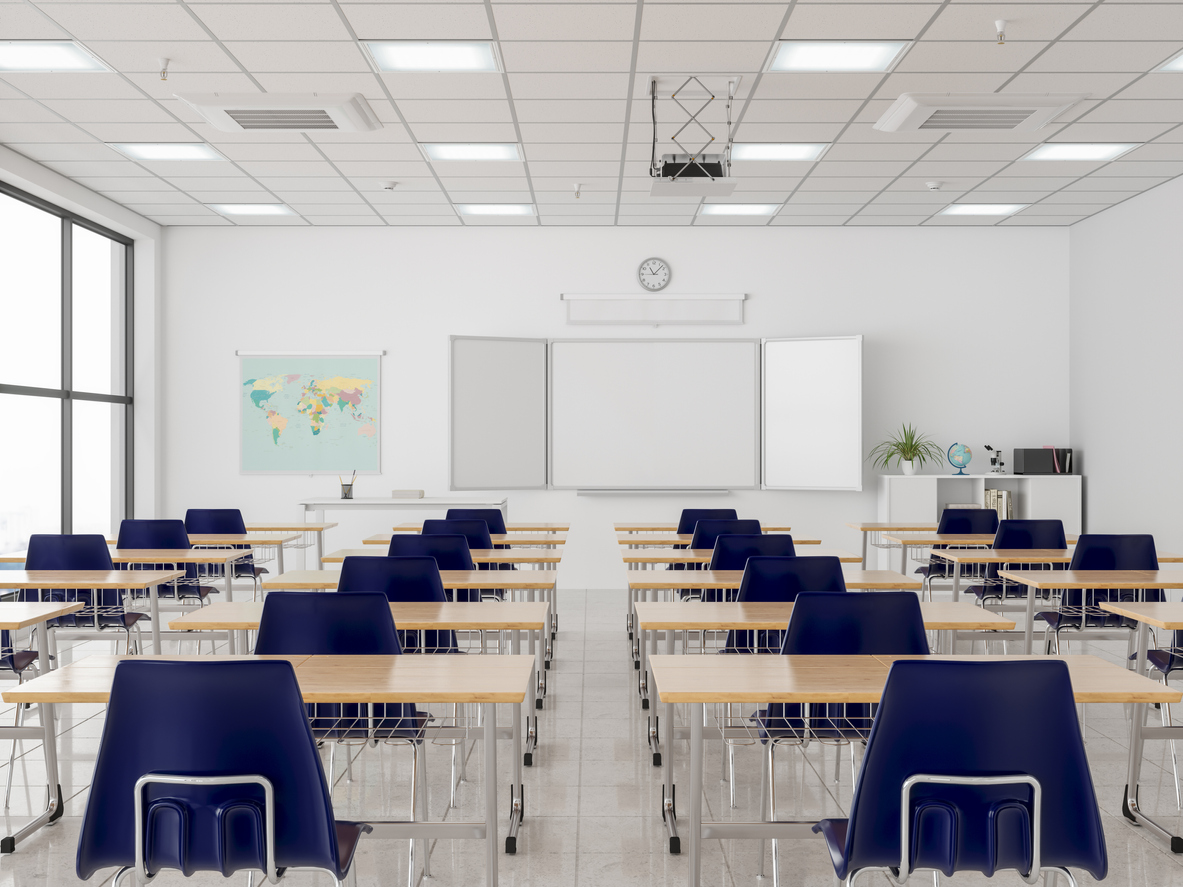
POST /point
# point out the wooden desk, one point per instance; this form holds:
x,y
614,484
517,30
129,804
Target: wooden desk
x,y
542,540
667,539
872,530
862,580
699,680
223,540
311,534
506,580
665,527
510,526
479,555
703,555
484,680
99,580
925,540
1086,579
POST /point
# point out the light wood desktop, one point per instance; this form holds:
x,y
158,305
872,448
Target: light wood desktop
x,y
408,616
312,534
666,527
871,531
666,539
484,680
926,540
508,580
862,580
703,555
479,555
510,526
545,540
702,680
1086,579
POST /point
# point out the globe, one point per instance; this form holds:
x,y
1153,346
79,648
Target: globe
x,y
959,456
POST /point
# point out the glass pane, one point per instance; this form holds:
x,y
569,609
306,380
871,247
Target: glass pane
x,y
30,295
98,313
30,482
98,467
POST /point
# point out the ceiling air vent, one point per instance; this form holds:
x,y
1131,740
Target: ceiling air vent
x,y
950,111
285,112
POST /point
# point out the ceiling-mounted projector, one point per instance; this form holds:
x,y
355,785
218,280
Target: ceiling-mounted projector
x,y
708,166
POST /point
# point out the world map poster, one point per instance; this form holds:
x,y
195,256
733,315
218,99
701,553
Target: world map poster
x,y
310,415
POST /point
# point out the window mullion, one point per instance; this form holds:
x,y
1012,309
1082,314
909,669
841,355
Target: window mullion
x,y
67,475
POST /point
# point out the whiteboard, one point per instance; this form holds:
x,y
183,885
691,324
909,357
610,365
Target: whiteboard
x,y
813,414
498,407
654,414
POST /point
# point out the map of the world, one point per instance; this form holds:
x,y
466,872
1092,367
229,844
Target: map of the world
x,y
307,415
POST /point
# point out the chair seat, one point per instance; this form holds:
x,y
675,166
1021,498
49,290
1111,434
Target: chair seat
x,y
1090,618
833,832
348,836
21,659
1165,661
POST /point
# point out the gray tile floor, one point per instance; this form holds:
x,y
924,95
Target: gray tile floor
x,y
592,797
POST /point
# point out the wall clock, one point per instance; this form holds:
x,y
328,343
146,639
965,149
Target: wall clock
x,y
654,274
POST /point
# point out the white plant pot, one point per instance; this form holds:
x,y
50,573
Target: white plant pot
x,y
909,468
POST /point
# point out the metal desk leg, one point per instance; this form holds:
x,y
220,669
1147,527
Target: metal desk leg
x,y
279,558
1029,628
865,535
904,558
668,797
154,609
516,788
228,575
491,843
47,735
697,711
956,583
231,642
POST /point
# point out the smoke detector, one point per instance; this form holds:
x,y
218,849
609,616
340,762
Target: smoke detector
x,y
952,111
270,112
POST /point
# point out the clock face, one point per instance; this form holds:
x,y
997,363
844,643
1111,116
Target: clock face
x,y
654,274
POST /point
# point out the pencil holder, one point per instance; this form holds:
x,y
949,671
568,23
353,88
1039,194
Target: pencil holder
x,y
346,491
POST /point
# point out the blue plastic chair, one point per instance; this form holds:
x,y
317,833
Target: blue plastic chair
x,y
691,516
1019,534
780,580
164,534
707,531
961,522
1079,609
491,516
475,531
222,727
450,553
409,579
958,722
731,552
199,521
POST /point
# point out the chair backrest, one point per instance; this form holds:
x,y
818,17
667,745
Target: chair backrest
x,y
208,718
450,552
781,579
731,552
345,623
475,531
691,516
399,578
1096,551
884,622
968,520
214,520
962,718
491,516
153,534
65,552
1030,534
707,531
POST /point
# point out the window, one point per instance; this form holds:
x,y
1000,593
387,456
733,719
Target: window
x,y
65,370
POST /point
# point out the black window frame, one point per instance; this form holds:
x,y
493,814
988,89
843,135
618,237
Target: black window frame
x,y
66,394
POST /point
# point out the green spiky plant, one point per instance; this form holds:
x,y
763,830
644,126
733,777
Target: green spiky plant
x,y
906,445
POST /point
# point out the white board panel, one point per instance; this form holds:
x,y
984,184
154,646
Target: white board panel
x,y
813,413
655,414
498,414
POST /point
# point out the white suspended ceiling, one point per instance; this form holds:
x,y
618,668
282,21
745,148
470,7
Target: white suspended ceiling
x,y
573,95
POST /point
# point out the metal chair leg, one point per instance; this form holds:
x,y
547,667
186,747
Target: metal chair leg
x,y
772,812
20,678
764,770
414,810
1166,722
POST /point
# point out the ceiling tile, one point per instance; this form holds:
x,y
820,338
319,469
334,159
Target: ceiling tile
x,y
591,57
1027,21
1137,111
296,57
187,58
801,111
847,168
702,57
1131,21
418,21
574,22
25,22
569,110
712,21
464,132
107,110
572,132
568,86
126,21
73,86
1104,56
1111,132
1092,84
933,56
858,21
455,111
447,86
574,151
271,21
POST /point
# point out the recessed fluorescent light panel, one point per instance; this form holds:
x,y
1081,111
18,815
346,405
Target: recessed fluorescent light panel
x,y
496,209
251,209
433,55
46,55
983,209
837,55
773,151
739,209
1173,65
167,151
476,151
1080,151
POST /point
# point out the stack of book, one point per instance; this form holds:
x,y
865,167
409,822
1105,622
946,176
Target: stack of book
x,y
1000,501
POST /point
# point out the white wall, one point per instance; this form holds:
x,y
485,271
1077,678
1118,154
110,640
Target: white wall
x,y
950,316
1127,364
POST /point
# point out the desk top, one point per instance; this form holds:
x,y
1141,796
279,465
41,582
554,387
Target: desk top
x,y
1022,556
292,527
15,615
703,555
891,526
685,539
502,579
511,526
157,555
775,678
860,579
224,539
1160,614
458,615
986,539
327,503
698,615
1132,579
410,678
87,578
496,538
669,528
479,555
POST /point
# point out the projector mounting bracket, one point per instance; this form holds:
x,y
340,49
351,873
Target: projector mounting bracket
x,y
687,163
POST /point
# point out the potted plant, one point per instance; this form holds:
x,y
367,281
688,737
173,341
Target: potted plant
x,y
908,448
